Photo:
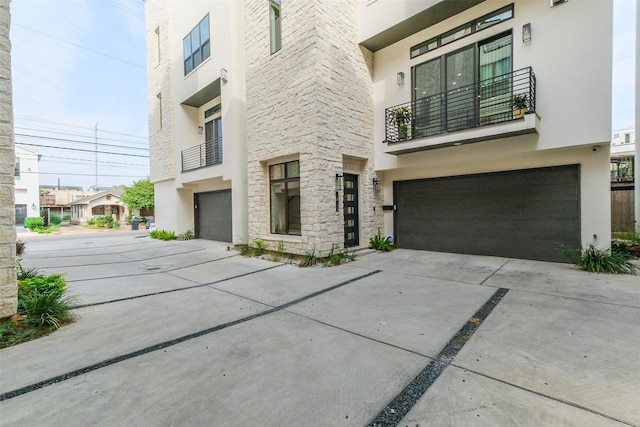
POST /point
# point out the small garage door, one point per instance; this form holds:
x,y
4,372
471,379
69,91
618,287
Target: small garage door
x,y
518,214
213,215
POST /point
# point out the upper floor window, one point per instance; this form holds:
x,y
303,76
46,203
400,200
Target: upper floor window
x,y
196,46
457,33
275,29
16,172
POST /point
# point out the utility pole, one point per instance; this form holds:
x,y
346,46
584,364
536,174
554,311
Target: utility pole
x,y
96,135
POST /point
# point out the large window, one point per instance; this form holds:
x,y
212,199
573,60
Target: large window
x,y
445,96
196,46
285,198
275,27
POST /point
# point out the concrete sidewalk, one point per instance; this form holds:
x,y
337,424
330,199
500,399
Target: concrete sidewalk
x,y
189,333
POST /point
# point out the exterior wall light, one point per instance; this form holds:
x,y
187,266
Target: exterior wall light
x,y
377,188
338,182
400,78
224,75
200,129
526,33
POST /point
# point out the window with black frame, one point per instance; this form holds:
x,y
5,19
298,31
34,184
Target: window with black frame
x,y
196,46
285,198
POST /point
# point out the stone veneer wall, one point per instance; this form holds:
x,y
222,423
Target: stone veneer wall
x,y
312,100
8,286
159,81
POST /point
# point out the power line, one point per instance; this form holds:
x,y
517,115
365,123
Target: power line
x,y
46,157
75,141
80,46
126,9
81,149
53,122
84,174
79,134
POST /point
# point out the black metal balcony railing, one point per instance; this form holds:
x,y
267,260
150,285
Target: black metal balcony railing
x,y
486,102
207,154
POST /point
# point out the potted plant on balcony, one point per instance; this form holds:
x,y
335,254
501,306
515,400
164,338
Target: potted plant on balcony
x,y
401,117
520,104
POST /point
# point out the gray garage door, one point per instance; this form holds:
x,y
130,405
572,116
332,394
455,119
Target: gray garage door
x,y
518,214
213,215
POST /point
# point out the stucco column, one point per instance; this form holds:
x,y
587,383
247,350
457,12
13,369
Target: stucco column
x,y
8,286
636,167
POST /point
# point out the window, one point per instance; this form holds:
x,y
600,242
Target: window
x,y
159,96
285,198
157,31
196,46
275,27
627,138
476,25
454,74
16,172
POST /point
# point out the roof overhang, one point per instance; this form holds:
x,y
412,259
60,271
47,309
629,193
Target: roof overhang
x,y
425,19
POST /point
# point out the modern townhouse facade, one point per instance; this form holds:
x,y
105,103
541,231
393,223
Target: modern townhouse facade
x,y
477,127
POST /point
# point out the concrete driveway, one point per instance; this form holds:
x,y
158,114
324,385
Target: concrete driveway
x,y
189,333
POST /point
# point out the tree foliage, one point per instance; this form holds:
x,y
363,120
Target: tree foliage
x,y
139,195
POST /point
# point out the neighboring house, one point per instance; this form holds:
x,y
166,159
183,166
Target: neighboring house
x,y
26,176
103,203
478,127
56,199
622,180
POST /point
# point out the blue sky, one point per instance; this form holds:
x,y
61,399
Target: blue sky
x,y
63,87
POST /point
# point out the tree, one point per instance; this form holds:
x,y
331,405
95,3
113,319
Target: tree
x,y
139,195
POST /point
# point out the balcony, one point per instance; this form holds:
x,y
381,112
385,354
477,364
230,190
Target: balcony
x,y
203,155
498,107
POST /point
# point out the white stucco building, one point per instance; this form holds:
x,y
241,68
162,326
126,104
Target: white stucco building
x,y
321,122
27,191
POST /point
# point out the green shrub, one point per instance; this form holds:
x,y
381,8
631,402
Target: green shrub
x,y
338,256
187,235
380,243
309,258
42,300
129,218
279,251
66,217
597,261
54,284
34,223
45,309
162,235
260,247
114,224
55,219
26,273
245,250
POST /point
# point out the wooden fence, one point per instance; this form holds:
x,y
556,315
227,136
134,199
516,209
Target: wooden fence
x,y
622,209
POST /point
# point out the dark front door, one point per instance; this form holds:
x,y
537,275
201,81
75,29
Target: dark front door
x,y
351,226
